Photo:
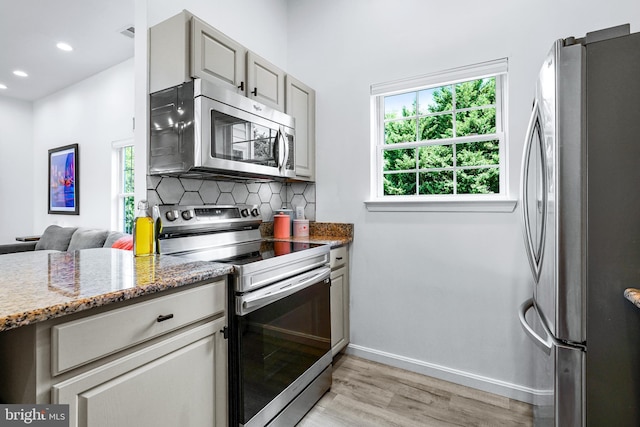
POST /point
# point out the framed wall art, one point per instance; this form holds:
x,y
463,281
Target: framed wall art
x,y
63,180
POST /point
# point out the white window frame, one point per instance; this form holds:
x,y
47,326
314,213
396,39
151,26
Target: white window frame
x,y
117,183
449,202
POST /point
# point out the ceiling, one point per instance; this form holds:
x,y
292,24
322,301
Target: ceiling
x,y
30,30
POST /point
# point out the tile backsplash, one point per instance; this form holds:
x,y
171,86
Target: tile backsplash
x,y
269,195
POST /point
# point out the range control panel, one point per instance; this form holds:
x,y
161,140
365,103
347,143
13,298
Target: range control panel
x,y
187,219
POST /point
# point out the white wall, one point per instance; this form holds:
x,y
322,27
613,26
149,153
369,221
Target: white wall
x,y
16,177
434,292
92,113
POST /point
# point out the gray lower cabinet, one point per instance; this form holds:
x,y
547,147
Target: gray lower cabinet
x,y
152,361
339,299
172,383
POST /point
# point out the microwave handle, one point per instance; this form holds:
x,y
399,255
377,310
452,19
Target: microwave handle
x,y
281,150
285,142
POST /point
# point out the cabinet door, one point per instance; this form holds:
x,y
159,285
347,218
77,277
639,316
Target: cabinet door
x,y
301,104
178,381
339,310
169,44
216,57
265,82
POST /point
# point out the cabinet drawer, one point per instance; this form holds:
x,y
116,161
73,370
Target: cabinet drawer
x,y
80,341
338,257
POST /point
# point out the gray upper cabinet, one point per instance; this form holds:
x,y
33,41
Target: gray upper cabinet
x,y
301,104
169,46
184,46
265,82
215,56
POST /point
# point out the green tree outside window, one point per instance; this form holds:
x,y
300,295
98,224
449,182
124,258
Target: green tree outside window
x,y
431,120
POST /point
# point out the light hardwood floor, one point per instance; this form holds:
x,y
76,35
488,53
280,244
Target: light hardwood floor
x,y
366,393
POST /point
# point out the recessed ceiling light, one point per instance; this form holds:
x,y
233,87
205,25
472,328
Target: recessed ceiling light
x,y
64,46
3,86
20,73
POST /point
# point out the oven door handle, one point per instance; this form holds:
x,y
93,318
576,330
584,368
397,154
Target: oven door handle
x,y
285,288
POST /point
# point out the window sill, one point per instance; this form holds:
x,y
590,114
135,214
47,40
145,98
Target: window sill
x,y
459,205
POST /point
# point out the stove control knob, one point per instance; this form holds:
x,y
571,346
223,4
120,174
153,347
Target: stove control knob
x,y
171,215
255,212
244,213
187,215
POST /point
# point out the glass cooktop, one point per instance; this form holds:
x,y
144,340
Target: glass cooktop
x,y
246,253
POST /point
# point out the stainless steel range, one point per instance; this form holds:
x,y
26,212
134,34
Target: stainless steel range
x,y
278,309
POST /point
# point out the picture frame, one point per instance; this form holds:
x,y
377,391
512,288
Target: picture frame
x,y
63,187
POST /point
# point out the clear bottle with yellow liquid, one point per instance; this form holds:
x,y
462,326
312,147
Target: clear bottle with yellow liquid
x,y
143,237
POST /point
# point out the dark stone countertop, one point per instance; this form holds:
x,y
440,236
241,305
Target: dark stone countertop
x,y
334,234
40,285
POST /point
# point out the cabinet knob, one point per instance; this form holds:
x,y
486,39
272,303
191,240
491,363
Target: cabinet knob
x,y
254,92
241,87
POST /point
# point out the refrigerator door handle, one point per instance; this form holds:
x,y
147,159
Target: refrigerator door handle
x,y
534,249
545,344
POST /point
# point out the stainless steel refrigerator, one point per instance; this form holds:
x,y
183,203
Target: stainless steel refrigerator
x,y
580,204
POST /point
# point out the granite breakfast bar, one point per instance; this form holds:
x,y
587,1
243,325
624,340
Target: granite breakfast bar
x,y
40,285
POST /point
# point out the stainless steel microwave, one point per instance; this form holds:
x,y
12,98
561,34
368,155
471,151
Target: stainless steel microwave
x,y
201,130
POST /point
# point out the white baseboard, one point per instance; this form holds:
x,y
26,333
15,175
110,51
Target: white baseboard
x,y
502,388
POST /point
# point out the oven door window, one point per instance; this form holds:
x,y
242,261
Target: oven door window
x,y
279,342
236,139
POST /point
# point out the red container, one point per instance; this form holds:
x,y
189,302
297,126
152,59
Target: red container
x,y
281,226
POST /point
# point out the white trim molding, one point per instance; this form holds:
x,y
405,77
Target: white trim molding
x,y
454,75
467,379
471,205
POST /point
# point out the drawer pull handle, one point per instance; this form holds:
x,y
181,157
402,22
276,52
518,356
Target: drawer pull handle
x,y
339,258
164,317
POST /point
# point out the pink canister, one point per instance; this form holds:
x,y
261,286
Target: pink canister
x,y
301,228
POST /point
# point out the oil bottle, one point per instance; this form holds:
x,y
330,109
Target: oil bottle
x,y
143,237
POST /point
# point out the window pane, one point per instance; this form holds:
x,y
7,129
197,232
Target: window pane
x,y
435,100
128,181
476,122
476,93
400,131
395,160
436,156
436,127
436,182
478,181
399,184
128,158
402,105
128,214
478,153
127,172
